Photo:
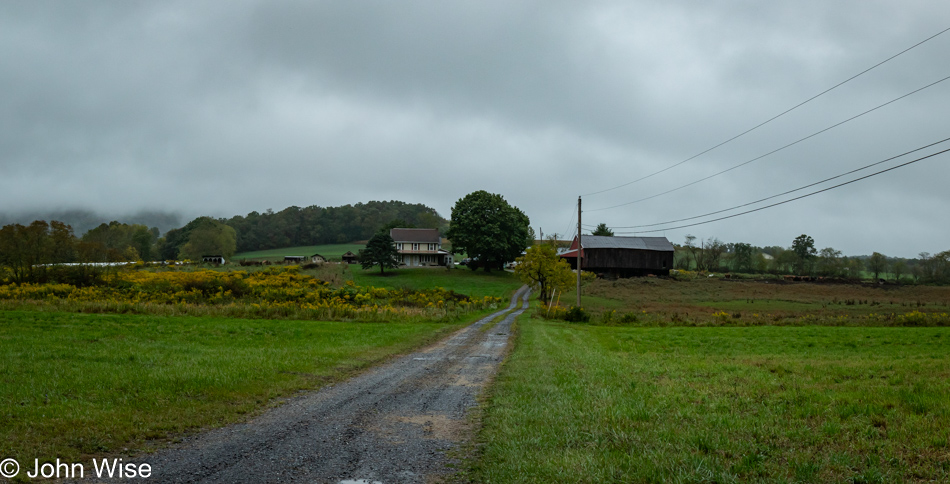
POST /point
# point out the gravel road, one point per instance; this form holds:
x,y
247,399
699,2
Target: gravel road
x,y
393,423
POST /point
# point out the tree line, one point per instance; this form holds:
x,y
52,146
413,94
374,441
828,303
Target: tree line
x,y
36,252
802,258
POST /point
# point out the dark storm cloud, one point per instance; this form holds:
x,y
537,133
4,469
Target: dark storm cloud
x,y
228,107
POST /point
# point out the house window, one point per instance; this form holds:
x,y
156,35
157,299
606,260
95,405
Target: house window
x,y
415,246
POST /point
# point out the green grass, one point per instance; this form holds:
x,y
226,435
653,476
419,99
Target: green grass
x,y
465,281
331,251
79,385
582,403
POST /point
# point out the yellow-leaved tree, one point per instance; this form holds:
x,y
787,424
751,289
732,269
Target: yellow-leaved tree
x,y
540,268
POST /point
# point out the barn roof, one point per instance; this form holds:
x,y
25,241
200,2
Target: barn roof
x,y
427,236
660,244
641,243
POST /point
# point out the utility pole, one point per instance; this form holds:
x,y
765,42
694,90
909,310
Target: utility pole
x,y
578,251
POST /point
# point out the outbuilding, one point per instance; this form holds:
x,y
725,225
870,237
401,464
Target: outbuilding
x,y
622,256
349,258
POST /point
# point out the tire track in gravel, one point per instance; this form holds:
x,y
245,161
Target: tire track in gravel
x,y
393,423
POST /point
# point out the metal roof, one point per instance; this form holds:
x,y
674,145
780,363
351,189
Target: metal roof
x,y
429,236
641,243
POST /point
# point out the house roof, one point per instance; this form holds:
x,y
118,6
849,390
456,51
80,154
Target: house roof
x,y
349,254
605,242
426,236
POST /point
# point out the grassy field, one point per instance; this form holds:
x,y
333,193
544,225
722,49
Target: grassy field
x,y
463,280
76,385
586,403
332,251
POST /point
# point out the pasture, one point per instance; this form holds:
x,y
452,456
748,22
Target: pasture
x,y
711,380
331,251
583,403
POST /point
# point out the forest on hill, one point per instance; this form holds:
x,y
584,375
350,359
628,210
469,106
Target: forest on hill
x,y
295,226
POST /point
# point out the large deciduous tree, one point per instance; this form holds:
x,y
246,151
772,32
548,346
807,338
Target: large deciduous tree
x,y
877,264
804,248
380,250
742,257
209,237
488,229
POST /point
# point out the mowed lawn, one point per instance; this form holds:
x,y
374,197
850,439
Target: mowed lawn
x,y
80,385
462,280
584,403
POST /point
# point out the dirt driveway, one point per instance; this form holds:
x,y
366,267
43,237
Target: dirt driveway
x,y
391,424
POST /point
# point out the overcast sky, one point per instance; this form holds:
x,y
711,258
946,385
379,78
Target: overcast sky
x,y
225,107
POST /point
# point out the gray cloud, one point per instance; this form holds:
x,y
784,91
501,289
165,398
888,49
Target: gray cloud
x,y
226,107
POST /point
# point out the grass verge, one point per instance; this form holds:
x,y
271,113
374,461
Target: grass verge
x,y
580,403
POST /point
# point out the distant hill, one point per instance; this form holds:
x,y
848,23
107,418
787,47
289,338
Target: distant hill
x,y
83,221
314,225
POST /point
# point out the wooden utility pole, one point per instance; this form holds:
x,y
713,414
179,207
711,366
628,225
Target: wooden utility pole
x,y
578,251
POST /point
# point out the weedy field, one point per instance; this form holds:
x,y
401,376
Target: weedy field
x,y
718,302
810,390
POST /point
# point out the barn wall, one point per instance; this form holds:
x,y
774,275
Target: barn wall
x,y
626,262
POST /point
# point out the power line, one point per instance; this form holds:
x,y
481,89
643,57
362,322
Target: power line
x,y
852,118
791,199
572,226
786,192
776,116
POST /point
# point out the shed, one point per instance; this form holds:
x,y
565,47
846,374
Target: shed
x,y
294,259
349,257
317,259
622,256
213,259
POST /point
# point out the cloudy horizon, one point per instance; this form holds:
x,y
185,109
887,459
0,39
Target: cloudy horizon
x,y
223,108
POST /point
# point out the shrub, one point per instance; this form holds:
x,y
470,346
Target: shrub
x,y
576,314
629,318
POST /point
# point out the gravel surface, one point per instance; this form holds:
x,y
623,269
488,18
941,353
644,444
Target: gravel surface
x,y
393,423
